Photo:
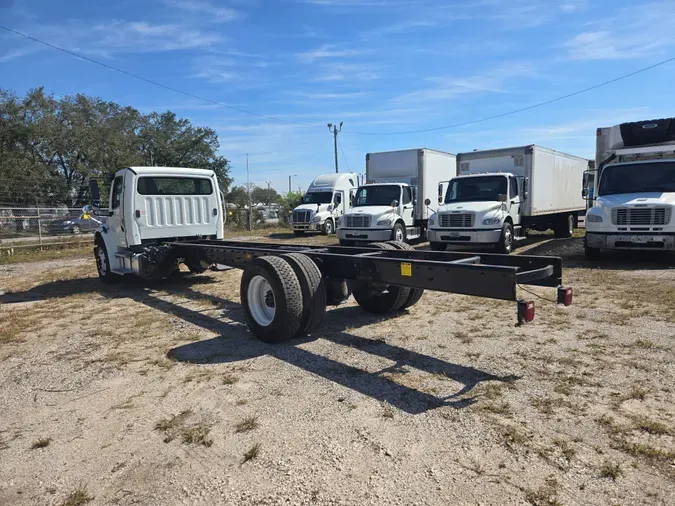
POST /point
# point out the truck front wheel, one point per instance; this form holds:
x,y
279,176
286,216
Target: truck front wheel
x,y
398,233
105,274
505,244
327,228
565,227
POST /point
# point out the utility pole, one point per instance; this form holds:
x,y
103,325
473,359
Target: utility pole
x,y
269,197
335,134
248,189
289,182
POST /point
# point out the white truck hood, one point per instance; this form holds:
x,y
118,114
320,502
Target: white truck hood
x,y
372,210
470,207
632,199
314,208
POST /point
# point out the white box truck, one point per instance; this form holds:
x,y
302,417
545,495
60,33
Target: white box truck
x,y
499,194
391,205
327,198
634,201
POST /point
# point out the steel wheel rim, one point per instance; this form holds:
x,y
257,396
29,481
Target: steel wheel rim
x,y
507,238
329,227
260,295
399,234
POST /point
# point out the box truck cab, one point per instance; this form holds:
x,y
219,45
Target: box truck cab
x,y
327,198
151,205
500,194
391,205
634,199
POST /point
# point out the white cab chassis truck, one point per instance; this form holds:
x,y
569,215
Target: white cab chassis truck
x,y
391,205
634,201
160,217
499,194
327,198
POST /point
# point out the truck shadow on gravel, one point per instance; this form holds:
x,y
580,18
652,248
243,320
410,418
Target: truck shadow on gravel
x,y
234,342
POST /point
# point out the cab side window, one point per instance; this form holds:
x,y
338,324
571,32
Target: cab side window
x,y
513,188
407,195
118,187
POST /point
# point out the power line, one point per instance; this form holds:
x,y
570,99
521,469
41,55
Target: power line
x,y
274,118
150,81
522,109
344,157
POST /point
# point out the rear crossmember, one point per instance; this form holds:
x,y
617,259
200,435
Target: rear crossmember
x,y
387,267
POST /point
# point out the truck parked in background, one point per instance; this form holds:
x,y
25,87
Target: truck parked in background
x,y
499,194
634,199
327,198
391,205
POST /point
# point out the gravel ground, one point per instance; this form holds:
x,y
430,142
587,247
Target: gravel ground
x,y
159,395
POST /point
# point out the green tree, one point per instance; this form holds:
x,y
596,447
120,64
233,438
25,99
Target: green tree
x,y
264,196
289,201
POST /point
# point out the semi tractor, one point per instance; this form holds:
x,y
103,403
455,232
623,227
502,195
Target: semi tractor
x,y
161,217
327,198
391,205
500,194
634,201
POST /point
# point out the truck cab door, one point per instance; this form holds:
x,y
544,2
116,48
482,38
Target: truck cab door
x,y
514,201
407,206
338,204
116,219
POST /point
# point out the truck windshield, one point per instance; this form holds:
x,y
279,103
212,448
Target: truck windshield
x,y
638,177
476,189
377,195
317,198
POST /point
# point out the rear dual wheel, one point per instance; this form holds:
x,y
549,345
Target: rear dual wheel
x,y
283,297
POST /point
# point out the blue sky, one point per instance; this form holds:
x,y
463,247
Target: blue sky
x,y
380,66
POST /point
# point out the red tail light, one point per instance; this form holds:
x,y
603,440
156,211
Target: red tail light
x,y
525,311
564,296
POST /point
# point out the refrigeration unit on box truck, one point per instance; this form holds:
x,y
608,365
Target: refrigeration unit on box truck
x,y
634,201
499,194
391,205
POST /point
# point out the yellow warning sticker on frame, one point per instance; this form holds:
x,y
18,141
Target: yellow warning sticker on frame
x,y
406,269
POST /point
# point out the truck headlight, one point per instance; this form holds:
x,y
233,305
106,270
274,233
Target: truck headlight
x,y
432,221
594,218
493,221
384,223
316,219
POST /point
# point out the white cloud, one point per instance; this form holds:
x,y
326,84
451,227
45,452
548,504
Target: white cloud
x,y
327,51
215,13
18,53
339,71
397,28
635,32
325,96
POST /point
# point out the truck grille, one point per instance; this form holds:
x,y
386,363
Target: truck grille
x,y
641,215
357,221
457,220
301,216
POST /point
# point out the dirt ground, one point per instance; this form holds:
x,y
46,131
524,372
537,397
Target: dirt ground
x,y
158,394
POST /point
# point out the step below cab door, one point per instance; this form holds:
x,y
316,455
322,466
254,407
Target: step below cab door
x,y
408,206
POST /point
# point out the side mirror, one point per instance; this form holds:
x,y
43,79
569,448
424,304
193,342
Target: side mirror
x,y
330,208
502,197
427,202
95,194
394,203
584,193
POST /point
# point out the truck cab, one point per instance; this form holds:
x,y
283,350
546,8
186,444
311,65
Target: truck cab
x,y
380,212
152,205
634,200
327,198
478,209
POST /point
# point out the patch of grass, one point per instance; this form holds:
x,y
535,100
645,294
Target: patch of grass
x,y
610,470
644,451
387,411
24,255
636,392
565,449
43,442
498,408
199,376
247,424
78,497
463,336
241,402
513,437
543,496
230,379
651,427
647,344
196,434
165,363
547,405
251,453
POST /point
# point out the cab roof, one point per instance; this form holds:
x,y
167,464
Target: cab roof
x,y
179,171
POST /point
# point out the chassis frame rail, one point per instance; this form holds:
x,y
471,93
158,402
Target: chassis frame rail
x,y
468,273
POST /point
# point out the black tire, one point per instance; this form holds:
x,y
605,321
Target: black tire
x,y
328,227
103,264
287,297
438,246
592,254
398,231
415,293
76,229
379,298
505,244
564,227
313,292
197,266
298,233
